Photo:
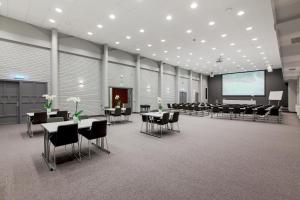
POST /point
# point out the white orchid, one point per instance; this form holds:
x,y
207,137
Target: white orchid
x,y
74,99
117,97
159,100
49,97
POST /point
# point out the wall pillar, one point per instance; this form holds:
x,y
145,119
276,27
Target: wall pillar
x,y
161,79
201,88
177,90
105,94
190,91
54,67
137,84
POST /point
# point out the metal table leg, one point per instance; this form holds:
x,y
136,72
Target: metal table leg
x,y
46,153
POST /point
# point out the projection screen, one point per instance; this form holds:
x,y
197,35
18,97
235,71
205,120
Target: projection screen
x,y
244,84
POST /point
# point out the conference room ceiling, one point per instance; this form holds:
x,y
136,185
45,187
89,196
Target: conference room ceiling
x,y
176,32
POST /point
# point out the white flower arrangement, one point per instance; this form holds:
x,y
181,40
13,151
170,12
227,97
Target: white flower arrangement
x,y
76,100
117,97
159,102
118,100
49,99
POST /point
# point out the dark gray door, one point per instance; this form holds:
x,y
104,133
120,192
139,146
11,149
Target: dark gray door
x,y
31,99
9,102
196,97
182,97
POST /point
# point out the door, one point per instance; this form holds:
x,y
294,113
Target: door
x,y
9,102
31,99
182,97
196,97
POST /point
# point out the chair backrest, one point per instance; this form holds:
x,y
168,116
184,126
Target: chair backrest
x,y
127,111
84,117
169,105
237,110
165,118
66,134
175,117
215,109
39,118
145,118
55,119
261,111
118,112
274,111
63,114
99,128
225,109
248,110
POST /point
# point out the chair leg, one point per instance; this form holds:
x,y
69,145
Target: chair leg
x,y
79,151
89,149
54,159
106,143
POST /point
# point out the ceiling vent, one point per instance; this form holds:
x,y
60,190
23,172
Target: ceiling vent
x,y
295,40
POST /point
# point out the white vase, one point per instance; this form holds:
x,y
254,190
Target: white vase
x,y
160,110
75,119
48,110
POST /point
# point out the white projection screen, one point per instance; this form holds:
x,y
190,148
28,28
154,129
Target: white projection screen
x,y
244,84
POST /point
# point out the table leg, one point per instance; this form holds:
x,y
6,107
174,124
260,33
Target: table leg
x,y
46,153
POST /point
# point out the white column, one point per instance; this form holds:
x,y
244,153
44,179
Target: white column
x,y
54,66
137,84
177,89
104,77
190,92
161,79
201,88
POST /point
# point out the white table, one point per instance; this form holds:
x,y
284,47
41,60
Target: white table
x,y
110,110
29,117
152,115
243,102
50,128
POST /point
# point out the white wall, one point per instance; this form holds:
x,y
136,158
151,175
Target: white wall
x,y
292,91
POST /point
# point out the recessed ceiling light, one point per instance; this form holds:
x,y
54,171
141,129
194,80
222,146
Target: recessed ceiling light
x,y
178,56
166,58
211,23
112,16
142,31
194,5
52,21
233,62
244,56
189,31
128,37
117,42
221,54
239,51
214,48
262,53
165,51
240,13
254,39
249,28
153,54
200,58
208,62
178,48
258,47
99,26
248,60
232,44
169,17
264,58
203,41
0,4
163,40
149,45
191,53
89,33
224,35
138,49
228,59
59,10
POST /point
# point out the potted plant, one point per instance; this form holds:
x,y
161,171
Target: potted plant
x,y
48,104
76,116
118,101
159,102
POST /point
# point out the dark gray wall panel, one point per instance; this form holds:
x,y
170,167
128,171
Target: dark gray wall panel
x,y
274,82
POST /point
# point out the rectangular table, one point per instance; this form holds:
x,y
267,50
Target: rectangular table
x,y
50,128
109,113
29,117
243,102
153,115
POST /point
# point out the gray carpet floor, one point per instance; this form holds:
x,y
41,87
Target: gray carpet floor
x,y
213,159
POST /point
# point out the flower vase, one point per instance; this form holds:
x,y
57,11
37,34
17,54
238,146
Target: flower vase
x,y
48,110
75,119
160,111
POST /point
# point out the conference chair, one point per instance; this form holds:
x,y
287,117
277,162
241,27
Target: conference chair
x,y
215,111
117,113
274,112
248,112
236,111
63,114
169,106
174,120
226,111
163,122
146,120
38,118
65,135
199,110
127,113
97,131
260,113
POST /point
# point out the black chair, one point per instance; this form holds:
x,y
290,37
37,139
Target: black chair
x,y
169,106
145,119
127,113
274,112
38,118
65,135
174,119
98,130
226,111
236,111
215,110
261,113
163,121
63,114
249,112
117,113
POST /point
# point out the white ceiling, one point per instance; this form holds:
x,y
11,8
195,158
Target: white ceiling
x,y
82,16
